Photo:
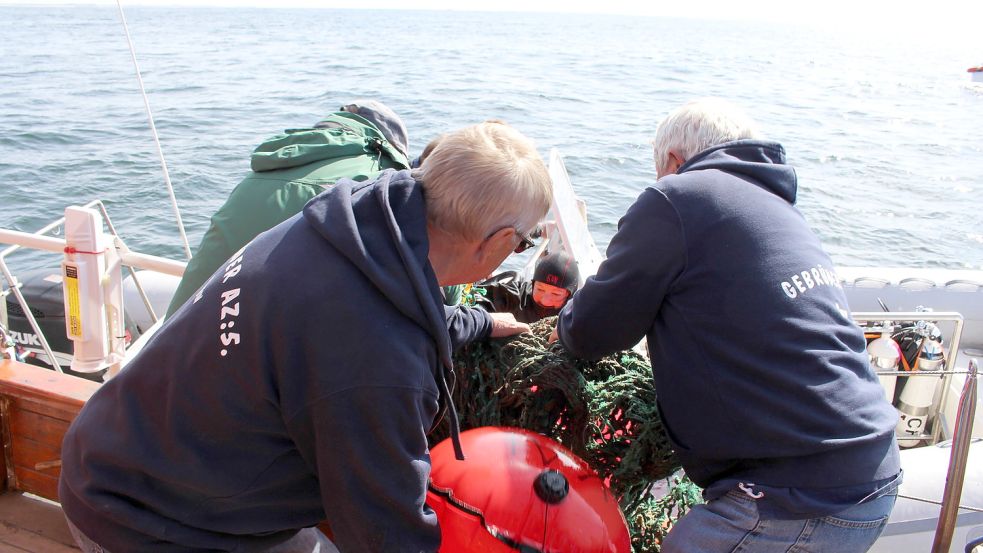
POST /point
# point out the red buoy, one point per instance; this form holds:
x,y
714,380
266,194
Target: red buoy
x,y
518,490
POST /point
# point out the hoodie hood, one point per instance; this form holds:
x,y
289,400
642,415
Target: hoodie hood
x,y
762,162
380,226
384,119
337,136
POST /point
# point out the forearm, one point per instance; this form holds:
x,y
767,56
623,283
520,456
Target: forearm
x,y
467,324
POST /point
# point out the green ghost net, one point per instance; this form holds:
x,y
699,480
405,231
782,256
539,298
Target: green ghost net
x,y
604,411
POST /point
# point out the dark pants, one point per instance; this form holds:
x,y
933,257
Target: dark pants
x,y
731,524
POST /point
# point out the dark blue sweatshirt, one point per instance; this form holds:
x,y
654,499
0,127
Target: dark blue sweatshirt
x,y
762,376
297,386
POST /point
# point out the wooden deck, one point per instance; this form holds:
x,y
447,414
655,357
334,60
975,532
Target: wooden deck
x,y
36,407
34,525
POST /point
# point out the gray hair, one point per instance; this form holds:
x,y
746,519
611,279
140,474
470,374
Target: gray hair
x,y
698,125
484,178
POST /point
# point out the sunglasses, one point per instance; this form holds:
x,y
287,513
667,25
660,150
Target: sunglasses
x,y
525,242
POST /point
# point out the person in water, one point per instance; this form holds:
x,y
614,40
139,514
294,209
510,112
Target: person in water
x,y
555,279
358,141
764,383
299,384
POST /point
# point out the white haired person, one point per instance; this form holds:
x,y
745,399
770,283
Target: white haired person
x,y
299,384
764,384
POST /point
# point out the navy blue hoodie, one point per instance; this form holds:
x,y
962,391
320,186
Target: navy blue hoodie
x,y
297,386
761,374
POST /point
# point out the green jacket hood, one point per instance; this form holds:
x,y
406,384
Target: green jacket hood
x,y
339,135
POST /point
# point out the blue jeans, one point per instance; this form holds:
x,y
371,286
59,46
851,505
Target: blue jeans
x,y
732,524
308,540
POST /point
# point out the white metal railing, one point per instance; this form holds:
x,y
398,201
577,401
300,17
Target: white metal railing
x,y
42,241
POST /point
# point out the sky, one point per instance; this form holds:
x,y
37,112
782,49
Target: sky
x,y
934,19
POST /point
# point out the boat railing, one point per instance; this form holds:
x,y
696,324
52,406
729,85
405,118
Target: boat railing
x,y
44,240
958,457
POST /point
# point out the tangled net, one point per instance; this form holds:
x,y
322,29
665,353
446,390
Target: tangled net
x,y
604,411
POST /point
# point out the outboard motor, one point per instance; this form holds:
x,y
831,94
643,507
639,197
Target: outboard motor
x,y
42,288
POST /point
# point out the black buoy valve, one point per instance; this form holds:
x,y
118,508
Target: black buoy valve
x,y
551,486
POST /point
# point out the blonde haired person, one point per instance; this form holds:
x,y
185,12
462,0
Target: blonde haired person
x,y
484,179
461,157
299,385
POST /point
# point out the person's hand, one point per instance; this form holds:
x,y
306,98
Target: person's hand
x,y
504,324
554,336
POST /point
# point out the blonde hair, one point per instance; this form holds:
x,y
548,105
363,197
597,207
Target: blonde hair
x,y
698,125
483,178
430,148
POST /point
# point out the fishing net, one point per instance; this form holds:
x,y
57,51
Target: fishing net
x,y
604,411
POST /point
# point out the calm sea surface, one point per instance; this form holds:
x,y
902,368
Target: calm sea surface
x,y
885,130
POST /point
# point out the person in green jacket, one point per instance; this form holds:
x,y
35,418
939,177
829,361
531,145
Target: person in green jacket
x,y
357,142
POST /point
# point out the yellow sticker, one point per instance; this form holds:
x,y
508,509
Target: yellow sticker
x,y
74,312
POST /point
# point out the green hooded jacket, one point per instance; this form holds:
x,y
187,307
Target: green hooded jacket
x,y
287,171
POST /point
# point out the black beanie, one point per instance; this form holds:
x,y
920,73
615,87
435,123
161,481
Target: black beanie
x,y
558,269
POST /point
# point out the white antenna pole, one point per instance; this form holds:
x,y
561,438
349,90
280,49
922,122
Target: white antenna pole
x,y
153,129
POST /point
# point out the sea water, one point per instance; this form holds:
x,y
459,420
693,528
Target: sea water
x,y
885,130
